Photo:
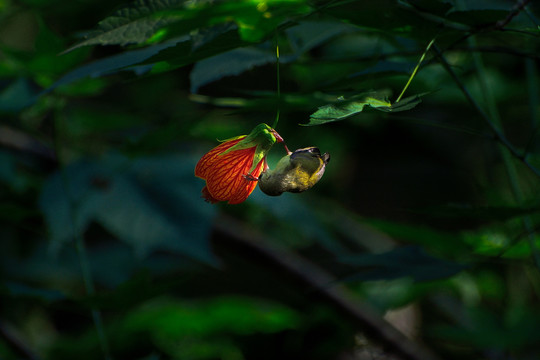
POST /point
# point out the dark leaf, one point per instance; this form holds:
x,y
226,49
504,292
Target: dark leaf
x,y
407,261
149,203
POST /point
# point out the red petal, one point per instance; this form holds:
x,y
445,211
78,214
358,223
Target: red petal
x,y
245,187
208,160
225,177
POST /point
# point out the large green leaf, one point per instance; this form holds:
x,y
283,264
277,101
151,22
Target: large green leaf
x,y
231,63
149,203
344,109
115,63
302,37
133,24
152,20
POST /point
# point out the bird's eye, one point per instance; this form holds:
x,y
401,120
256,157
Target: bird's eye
x,y
315,150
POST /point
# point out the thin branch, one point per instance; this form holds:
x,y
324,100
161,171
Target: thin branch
x,y
434,18
518,7
499,136
368,322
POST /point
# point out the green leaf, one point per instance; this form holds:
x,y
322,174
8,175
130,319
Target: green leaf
x,y
309,34
114,63
151,20
408,261
149,203
231,63
302,38
404,104
134,24
347,108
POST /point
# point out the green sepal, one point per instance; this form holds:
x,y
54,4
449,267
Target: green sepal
x,y
262,137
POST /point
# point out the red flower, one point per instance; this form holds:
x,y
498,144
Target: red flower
x,y
226,166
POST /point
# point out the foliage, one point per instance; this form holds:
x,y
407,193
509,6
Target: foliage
x,y
430,202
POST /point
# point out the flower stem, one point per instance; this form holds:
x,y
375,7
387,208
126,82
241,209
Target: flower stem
x,y
278,86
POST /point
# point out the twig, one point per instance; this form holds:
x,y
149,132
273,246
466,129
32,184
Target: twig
x,y
507,160
434,18
499,136
371,324
518,7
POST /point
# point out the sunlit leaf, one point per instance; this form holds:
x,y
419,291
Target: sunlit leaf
x,y
347,108
132,25
404,104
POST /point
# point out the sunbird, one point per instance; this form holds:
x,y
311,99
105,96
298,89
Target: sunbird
x,y
295,172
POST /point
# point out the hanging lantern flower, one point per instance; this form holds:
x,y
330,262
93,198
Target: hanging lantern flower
x,y
230,167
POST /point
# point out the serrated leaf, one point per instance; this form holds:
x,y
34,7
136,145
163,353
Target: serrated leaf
x,y
309,34
146,19
231,63
404,104
132,25
115,63
347,108
302,37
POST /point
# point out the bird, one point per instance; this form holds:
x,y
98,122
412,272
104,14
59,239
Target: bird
x,y
297,171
